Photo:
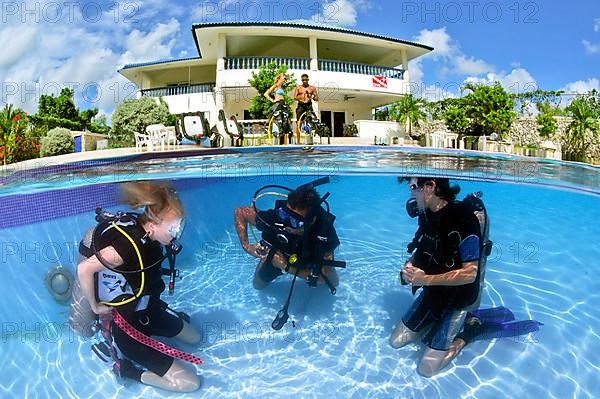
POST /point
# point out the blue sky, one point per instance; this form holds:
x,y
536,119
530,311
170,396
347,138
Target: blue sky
x,y
525,45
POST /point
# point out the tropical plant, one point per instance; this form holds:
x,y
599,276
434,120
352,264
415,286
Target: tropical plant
x,y
583,130
133,116
13,134
408,111
524,101
261,81
456,120
489,108
546,123
58,141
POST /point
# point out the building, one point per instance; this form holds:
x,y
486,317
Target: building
x,y
354,71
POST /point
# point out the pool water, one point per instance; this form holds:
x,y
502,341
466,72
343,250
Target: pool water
x,y
543,267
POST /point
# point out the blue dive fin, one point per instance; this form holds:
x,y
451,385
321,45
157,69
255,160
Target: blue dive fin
x,y
474,330
493,315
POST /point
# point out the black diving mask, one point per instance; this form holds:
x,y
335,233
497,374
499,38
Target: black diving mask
x,y
287,215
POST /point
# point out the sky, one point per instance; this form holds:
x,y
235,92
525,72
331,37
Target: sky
x,y
526,45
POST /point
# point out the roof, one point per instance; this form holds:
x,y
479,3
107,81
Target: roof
x,y
142,64
290,24
298,25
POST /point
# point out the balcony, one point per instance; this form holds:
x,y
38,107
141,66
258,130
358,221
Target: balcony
x,y
178,90
256,62
361,69
236,63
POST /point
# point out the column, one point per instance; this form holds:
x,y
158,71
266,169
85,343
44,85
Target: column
x,y
221,51
314,64
405,65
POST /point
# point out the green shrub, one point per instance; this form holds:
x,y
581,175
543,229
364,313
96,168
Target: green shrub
x,y
58,141
133,116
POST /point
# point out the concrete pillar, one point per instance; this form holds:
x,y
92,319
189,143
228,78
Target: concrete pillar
x,y
314,64
405,65
221,51
218,96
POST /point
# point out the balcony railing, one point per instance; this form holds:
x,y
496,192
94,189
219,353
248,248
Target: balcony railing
x,y
362,69
256,62
324,65
177,90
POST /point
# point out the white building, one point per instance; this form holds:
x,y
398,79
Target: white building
x,y
353,71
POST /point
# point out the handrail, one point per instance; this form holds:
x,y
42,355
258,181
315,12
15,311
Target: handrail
x,y
358,68
177,90
256,62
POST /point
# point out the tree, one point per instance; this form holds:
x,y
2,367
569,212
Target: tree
x,y
584,129
134,115
490,109
261,81
546,123
408,111
456,120
58,112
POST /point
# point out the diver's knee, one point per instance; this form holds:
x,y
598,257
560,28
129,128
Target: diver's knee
x,y
182,380
427,370
396,342
258,284
191,385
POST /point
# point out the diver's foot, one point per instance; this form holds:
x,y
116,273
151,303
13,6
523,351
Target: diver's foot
x,y
472,328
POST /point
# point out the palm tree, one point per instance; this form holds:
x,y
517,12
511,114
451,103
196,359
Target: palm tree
x,y
583,130
409,111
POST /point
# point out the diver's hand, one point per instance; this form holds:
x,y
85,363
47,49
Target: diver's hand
x,y
101,309
256,250
413,275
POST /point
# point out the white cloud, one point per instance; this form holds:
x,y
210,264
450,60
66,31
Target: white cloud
x,y
154,45
518,80
40,58
591,48
337,12
582,86
440,40
597,25
448,51
471,66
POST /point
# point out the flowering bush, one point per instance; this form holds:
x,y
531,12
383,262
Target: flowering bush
x,y
16,144
25,147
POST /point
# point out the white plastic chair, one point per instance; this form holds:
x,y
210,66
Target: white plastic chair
x,y
143,140
171,136
157,134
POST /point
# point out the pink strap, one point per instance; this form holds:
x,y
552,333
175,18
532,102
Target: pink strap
x,y
153,343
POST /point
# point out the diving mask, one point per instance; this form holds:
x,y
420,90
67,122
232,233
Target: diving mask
x,y
175,230
287,215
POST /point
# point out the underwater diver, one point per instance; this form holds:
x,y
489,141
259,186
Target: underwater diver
x,y
449,252
297,237
120,275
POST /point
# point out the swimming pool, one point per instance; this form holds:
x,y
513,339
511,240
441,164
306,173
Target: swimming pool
x,y
544,224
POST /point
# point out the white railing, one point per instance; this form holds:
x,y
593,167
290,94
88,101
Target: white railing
x,y
178,90
256,62
358,68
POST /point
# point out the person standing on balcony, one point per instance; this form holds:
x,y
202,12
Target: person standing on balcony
x,y
305,94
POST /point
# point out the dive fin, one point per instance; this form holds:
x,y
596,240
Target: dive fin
x,y
500,314
475,330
